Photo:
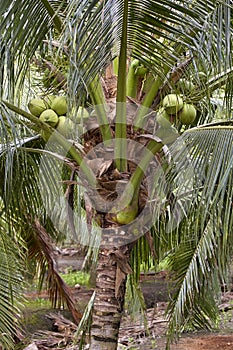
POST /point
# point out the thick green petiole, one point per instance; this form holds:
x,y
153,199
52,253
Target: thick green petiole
x,y
98,100
115,65
55,18
132,79
121,118
131,192
147,102
153,91
153,147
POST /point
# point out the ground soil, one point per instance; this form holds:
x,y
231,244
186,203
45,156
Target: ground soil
x,y
156,290
220,339
207,342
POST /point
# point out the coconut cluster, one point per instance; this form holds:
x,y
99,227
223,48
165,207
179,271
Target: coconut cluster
x,y
53,111
173,107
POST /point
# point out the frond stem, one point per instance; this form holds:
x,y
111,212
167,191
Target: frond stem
x,y
136,179
121,144
98,100
56,19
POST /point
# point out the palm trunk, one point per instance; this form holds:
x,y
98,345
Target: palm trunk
x,y
109,302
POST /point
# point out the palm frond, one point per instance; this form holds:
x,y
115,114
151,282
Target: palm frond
x,y
134,298
141,258
84,324
16,177
204,246
94,32
24,26
42,249
211,154
193,305
161,30
11,282
24,201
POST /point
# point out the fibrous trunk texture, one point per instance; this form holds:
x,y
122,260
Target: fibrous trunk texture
x,y
108,306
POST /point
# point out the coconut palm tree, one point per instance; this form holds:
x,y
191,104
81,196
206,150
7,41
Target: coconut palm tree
x,y
147,185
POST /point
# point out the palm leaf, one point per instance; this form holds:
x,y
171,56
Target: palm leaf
x,y
180,26
194,303
23,27
195,225
205,238
42,249
84,324
24,198
213,163
11,287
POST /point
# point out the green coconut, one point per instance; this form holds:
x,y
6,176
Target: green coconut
x,y
59,105
50,117
65,126
126,215
162,118
36,106
172,103
187,114
49,99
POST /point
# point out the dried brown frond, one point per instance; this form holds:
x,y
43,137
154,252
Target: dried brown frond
x,y
59,292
